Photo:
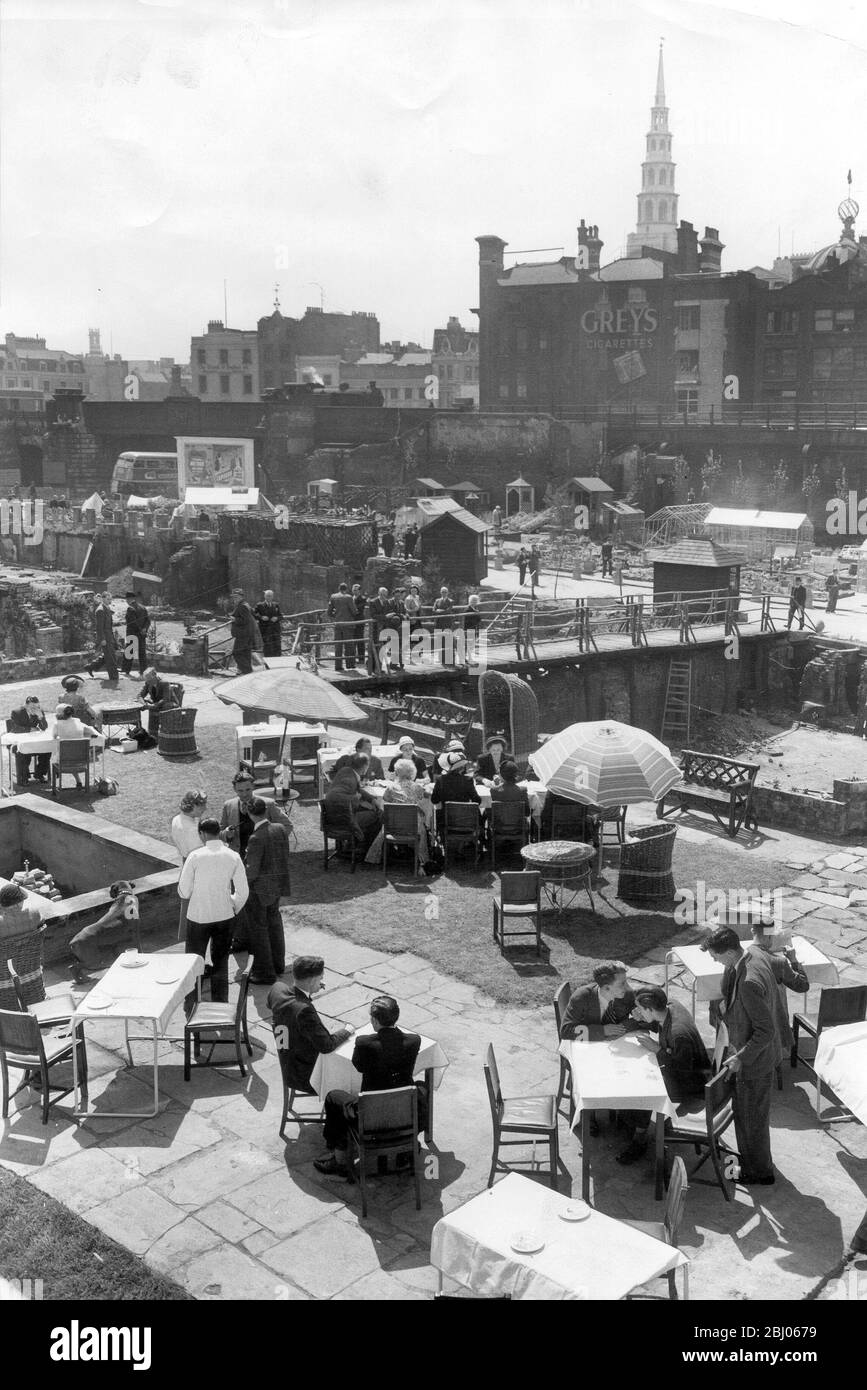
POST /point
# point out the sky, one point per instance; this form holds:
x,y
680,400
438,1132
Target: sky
x,y
351,152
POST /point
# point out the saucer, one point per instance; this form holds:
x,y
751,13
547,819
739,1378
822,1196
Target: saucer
x,y
92,1003
526,1243
578,1211
135,964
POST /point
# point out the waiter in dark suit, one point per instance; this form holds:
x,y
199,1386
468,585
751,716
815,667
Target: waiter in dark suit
x,y
386,1059
103,622
600,1010
749,992
138,621
682,1058
300,1033
29,719
267,865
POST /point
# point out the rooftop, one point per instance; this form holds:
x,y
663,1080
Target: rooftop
x,y
744,516
694,550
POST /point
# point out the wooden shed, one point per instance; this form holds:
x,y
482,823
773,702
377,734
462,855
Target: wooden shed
x,y
453,539
694,566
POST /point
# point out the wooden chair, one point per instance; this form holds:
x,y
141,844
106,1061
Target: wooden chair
x,y
837,1005
520,896
508,825
73,756
47,1012
339,830
289,1093
461,826
573,822
645,865
561,999
534,1117
24,1045
703,1125
613,819
667,1229
211,1022
387,1123
303,754
401,826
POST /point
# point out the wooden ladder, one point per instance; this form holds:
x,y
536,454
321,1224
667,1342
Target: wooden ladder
x,y
678,704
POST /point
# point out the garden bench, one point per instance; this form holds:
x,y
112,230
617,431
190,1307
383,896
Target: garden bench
x,y
431,721
723,786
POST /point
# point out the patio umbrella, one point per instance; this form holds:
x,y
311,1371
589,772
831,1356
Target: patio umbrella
x,y
294,694
604,763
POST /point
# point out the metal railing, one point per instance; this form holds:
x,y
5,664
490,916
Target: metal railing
x,y
787,415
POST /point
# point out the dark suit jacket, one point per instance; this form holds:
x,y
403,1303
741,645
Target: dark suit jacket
x,y
682,1055
102,620
485,764
749,991
137,620
267,862
420,765
230,816
454,786
509,791
787,976
585,1007
306,1034
159,696
20,721
386,1059
374,767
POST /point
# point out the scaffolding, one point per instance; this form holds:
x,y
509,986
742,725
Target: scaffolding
x,y
673,523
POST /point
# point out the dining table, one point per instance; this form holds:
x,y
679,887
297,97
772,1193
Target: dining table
x,y
617,1074
30,744
150,988
707,973
841,1065
333,1071
522,1241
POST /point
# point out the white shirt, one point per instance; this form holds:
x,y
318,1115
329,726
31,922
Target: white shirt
x,y
71,728
185,834
208,878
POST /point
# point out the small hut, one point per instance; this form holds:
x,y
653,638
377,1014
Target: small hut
x,y
590,493
453,539
429,487
760,533
520,496
694,566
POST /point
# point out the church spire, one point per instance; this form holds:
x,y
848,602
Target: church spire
x,y
656,224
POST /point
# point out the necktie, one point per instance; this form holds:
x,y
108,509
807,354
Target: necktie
x,y
608,1015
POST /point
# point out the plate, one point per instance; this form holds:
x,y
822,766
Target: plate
x,y
166,979
578,1211
92,1003
525,1243
133,964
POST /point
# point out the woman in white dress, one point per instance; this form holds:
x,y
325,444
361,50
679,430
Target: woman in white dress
x,y
185,826
406,791
67,726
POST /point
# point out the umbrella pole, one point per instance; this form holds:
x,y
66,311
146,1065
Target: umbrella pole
x,y
283,739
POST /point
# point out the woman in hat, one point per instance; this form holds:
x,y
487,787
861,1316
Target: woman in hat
x,y
494,756
406,790
455,783
407,751
80,708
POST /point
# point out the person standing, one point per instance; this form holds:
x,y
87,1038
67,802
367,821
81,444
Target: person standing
x,y
269,617
244,633
534,565
797,604
410,540
523,557
28,719
747,1009
444,622
137,623
360,603
497,518
388,542
185,825
214,884
832,584
104,626
377,612
607,558
788,973
267,864
342,613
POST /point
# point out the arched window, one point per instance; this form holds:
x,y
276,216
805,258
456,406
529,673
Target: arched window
x,y
662,176
653,144
650,178
648,211
663,210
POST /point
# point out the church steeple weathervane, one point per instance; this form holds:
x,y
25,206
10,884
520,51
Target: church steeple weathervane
x,y
657,202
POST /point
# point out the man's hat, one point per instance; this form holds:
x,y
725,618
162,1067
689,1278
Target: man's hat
x,y
496,738
130,593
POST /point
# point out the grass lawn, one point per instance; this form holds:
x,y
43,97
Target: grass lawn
x,y
445,919
41,1239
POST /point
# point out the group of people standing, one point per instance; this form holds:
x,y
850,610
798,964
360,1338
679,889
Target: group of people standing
x,y
256,629
393,618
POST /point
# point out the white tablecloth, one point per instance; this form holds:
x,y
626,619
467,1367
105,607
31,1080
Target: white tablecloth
x,y
841,1062
598,1258
616,1074
40,743
152,992
707,973
334,1070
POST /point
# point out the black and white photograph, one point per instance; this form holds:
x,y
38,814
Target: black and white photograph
x,y
411,411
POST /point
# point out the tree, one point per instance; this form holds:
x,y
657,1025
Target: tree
x,y
740,486
711,472
778,484
810,486
558,498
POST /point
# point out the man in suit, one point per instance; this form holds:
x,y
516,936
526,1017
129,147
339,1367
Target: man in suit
x,y
157,695
682,1058
749,991
299,1031
28,719
341,610
600,1010
103,621
137,623
364,748
788,973
245,633
267,864
386,1059
378,612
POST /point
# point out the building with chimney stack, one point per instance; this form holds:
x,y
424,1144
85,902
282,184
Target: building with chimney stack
x,y
456,364
282,340
224,363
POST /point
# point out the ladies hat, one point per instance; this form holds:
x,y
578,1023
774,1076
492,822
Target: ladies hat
x,y
496,738
70,683
452,760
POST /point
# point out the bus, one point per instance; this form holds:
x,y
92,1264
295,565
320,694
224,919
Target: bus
x,y
145,475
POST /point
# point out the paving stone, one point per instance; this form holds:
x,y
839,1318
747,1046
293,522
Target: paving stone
x,y
227,1273
841,861
217,1172
354,996
85,1180
257,1242
379,1287
181,1244
829,899
228,1222
135,1218
326,1257
807,881
284,1202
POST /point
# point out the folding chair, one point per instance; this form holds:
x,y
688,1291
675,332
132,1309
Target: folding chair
x,y
73,756
340,831
520,896
212,1021
534,1117
561,999
837,1005
703,1126
667,1229
508,825
24,1045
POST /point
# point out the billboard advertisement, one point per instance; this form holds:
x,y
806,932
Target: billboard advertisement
x,y
215,463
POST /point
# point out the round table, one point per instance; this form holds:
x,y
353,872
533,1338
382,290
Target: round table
x,y
561,863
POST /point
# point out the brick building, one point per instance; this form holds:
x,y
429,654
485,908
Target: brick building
x,y
28,369
456,363
318,334
224,363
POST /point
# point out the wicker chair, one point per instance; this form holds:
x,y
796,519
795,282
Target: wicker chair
x,y
645,865
509,705
25,954
177,736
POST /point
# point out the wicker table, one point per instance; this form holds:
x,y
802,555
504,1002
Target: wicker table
x,y
120,714
561,863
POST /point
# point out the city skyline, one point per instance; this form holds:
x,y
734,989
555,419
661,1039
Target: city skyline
x,y
350,158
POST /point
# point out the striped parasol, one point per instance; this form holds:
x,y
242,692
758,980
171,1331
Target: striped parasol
x,y
604,763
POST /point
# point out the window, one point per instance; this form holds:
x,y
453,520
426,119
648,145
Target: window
x,y
686,400
662,176
844,320
421,393
224,357
46,385
839,320
246,357
522,340
51,365
782,321
687,363
25,381
201,357
11,381
521,386
781,364
504,391
203,385
393,393
663,209
248,385
504,341
450,371
651,178
285,354
407,393
688,317
224,384
269,380
648,211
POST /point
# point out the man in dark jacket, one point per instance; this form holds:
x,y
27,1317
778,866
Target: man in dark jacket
x,y
342,612
103,622
749,989
797,603
378,613
682,1058
601,1009
244,632
788,973
137,623
360,603
299,1031
455,784
267,865
29,719
386,1059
